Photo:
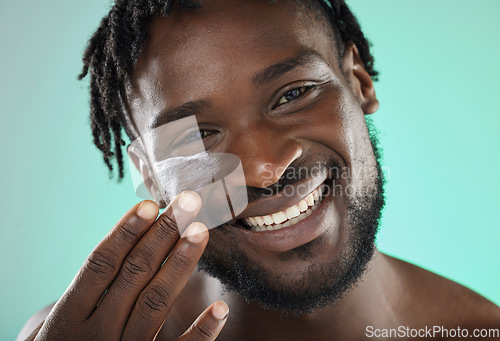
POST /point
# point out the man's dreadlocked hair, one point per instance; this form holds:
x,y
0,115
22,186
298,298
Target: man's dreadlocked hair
x,y
115,46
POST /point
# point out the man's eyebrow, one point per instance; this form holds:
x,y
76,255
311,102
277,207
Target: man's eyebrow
x,y
182,111
274,71
268,74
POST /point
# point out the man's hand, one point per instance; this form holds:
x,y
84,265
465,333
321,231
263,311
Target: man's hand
x,y
123,291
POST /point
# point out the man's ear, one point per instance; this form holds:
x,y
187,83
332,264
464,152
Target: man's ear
x,y
146,186
359,79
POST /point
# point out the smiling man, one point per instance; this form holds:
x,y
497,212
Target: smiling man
x,y
287,87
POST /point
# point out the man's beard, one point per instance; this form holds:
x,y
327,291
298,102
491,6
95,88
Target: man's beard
x,y
321,285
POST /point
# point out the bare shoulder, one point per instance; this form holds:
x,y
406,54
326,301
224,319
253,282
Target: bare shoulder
x,y
34,322
444,300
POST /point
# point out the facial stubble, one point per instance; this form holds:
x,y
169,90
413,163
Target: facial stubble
x,y
319,285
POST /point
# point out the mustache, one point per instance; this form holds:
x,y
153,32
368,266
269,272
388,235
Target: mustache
x,y
298,171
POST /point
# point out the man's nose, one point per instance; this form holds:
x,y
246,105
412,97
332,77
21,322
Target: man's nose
x,y
265,153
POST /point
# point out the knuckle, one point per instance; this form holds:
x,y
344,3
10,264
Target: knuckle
x,y
155,299
179,261
126,232
166,227
136,265
202,332
102,262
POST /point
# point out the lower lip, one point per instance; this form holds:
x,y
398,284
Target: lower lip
x,y
289,238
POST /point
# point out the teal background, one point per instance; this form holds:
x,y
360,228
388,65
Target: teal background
x,y
439,117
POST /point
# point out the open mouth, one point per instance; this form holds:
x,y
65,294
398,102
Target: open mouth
x,y
288,217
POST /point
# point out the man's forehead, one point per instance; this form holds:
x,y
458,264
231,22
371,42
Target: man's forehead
x,y
227,26
193,53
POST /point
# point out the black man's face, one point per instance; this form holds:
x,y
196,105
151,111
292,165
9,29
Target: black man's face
x,y
273,93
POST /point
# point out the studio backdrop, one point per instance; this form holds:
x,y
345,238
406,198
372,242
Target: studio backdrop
x,y
439,123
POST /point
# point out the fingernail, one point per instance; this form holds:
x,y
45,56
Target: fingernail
x,y
220,310
147,210
189,201
196,232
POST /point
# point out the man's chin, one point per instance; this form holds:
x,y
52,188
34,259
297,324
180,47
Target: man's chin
x,y
295,292
304,279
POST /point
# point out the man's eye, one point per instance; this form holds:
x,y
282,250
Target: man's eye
x,y
197,135
292,95
188,143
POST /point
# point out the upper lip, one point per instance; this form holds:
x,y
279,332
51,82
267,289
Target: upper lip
x,y
281,201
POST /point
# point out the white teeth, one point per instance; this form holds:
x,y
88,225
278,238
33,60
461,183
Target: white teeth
x,y
268,220
259,221
292,212
288,217
303,205
279,217
310,200
316,195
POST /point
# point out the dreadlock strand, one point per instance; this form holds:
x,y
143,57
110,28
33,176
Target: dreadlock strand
x,y
104,114
117,132
96,40
97,122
